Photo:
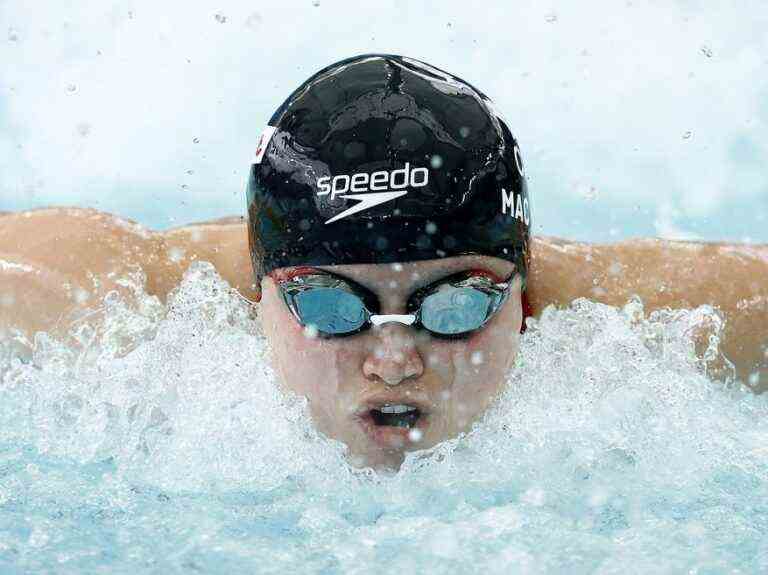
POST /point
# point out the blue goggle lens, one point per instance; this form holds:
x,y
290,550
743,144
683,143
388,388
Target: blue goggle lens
x,y
455,310
331,310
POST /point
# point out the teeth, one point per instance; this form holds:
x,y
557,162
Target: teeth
x,y
396,408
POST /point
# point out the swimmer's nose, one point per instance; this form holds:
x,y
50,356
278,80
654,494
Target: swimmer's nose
x,y
393,357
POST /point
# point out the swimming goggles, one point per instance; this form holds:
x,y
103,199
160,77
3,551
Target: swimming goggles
x,y
451,308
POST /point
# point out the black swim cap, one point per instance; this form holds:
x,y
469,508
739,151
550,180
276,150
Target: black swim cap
x,y
381,159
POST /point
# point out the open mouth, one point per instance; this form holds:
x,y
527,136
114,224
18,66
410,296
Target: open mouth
x,y
395,416
394,425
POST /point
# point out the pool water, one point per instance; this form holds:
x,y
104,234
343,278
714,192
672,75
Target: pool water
x,y
159,443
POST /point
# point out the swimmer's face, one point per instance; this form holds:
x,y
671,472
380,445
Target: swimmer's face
x,y
348,379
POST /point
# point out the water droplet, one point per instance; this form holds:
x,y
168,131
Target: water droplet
x,y
415,435
12,35
754,379
707,51
477,358
81,296
431,228
687,135
176,254
195,140
304,225
397,267
71,88
315,3
464,131
253,20
310,331
615,269
190,172
83,129
220,18
590,193
551,17
436,162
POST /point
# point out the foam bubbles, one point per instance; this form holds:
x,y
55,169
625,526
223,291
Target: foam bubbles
x,y
610,449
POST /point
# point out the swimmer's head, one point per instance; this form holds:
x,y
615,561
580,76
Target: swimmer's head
x,y
382,159
380,183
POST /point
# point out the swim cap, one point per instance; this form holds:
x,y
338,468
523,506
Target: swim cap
x,y
380,159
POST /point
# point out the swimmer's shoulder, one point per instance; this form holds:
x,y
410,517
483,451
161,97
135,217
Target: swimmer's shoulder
x,y
664,273
222,242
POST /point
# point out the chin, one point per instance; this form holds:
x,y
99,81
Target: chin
x,y
383,448
381,461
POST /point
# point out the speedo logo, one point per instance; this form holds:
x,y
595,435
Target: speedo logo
x,y
371,189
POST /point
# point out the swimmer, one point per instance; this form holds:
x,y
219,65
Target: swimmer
x,y
388,243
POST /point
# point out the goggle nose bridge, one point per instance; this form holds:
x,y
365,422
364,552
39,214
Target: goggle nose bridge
x,y
406,319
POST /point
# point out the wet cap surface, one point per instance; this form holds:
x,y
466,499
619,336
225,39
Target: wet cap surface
x,y
380,159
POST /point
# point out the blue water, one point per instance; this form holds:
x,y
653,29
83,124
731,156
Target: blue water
x,y
158,442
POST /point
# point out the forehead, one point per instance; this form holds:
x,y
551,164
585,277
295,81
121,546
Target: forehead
x,y
415,274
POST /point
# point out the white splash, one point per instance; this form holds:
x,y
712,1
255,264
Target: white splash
x,y
610,450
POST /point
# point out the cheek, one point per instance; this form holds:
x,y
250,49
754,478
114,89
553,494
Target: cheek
x,y
293,353
320,370
493,348
482,361
437,355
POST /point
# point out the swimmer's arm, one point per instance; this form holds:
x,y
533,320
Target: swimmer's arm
x,y
57,264
674,274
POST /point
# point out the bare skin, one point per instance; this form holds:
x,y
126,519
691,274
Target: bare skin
x,y
451,382
57,263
